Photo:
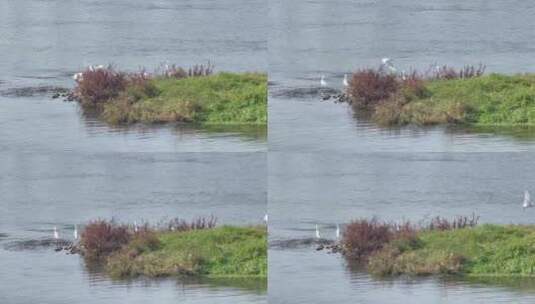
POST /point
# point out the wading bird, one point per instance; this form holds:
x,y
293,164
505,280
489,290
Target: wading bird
x,y
77,76
56,234
345,82
387,62
323,83
266,218
75,232
337,231
318,236
527,200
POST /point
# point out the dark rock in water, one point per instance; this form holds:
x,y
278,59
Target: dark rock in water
x,y
36,244
308,92
326,97
33,91
70,96
55,96
299,243
320,247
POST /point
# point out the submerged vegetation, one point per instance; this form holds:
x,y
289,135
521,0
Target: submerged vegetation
x,y
459,246
444,95
174,95
177,248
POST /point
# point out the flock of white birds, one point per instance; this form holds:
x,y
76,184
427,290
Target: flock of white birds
x,y
385,63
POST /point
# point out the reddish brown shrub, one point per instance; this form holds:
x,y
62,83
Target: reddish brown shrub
x,y
448,73
100,238
363,237
458,222
195,71
197,224
99,85
368,87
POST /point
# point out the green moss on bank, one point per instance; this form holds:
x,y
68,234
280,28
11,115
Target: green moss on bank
x,y
223,98
219,252
486,250
497,100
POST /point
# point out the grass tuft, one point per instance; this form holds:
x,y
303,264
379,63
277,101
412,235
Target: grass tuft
x,y
174,95
219,252
178,247
444,95
457,246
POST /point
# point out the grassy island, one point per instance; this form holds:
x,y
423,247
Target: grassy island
x,y
200,251
463,248
195,96
446,96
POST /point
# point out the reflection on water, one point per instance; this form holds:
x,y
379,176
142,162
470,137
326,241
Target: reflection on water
x,y
58,278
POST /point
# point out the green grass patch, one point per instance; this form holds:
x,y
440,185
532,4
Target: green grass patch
x,y
223,252
213,99
490,100
485,250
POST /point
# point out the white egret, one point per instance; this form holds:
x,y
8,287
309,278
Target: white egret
x,y
318,236
345,82
527,200
266,218
75,232
323,83
388,63
78,76
56,234
337,231
135,226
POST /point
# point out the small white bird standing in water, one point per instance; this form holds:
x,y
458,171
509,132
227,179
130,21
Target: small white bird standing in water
x,y
318,236
266,218
345,82
527,200
56,234
323,83
135,226
337,231
75,232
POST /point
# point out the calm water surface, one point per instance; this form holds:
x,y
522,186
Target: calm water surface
x,y
306,189
44,42
327,165
59,168
311,38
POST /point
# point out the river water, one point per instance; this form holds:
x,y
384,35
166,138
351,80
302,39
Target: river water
x,y
59,168
328,165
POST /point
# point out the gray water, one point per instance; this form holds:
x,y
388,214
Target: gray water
x,y
329,165
306,189
311,38
43,43
60,168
